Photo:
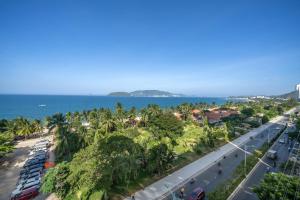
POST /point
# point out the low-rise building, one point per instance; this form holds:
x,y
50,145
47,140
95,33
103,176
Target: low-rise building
x,y
216,115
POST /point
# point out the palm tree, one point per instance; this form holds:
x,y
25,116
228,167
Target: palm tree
x,y
36,126
185,110
25,128
109,125
132,115
62,149
57,120
69,117
145,116
12,127
120,114
153,110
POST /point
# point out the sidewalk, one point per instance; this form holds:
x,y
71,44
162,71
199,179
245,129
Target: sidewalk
x,y
161,188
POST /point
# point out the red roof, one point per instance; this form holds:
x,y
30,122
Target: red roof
x,y
217,114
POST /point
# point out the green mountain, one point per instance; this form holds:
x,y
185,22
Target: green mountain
x,y
119,94
293,95
145,93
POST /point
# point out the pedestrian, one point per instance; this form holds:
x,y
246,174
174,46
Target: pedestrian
x,y
132,197
192,180
181,192
220,170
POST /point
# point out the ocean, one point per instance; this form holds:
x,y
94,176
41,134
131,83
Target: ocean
x,y
40,106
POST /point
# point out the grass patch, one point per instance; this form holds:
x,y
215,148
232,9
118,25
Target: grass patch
x,y
144,179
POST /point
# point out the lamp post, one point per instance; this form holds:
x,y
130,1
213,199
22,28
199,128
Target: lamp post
x,y
245,163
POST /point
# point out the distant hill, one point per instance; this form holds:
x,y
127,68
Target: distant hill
x,y
293,95
145,93
119,94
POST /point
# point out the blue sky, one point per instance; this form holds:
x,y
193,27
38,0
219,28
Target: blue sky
x,y
204,48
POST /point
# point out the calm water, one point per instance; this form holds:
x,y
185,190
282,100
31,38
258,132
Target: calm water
x,y
39,106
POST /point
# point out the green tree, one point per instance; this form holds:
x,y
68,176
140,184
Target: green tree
x,y
265,119
6,143
185,110
278,186
24,127
57,120
167,125
55,180
37,126
159,158
248,112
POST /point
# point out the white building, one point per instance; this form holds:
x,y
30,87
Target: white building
x,y
298,89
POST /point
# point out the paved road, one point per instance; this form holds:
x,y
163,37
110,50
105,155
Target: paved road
x,y
10,169
205,168
210,179
245,193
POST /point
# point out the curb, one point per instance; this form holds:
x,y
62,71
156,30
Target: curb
x,y
240,186
263,127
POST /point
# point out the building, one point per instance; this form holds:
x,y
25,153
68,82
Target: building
x,y
217,114
298,89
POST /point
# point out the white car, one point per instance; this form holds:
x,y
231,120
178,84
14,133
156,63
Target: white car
x,y
29,180
281,141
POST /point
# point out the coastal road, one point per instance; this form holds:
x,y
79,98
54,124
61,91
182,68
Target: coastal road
x,y
205,169
245,192
210,178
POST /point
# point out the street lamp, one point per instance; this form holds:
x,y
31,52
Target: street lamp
x,y
245,163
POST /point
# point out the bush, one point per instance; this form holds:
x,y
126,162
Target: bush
x,y
265,119
248,112
98,195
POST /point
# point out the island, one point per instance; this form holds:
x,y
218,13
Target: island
x,y
145,93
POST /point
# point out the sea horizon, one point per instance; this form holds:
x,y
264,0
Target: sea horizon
x,y
39,106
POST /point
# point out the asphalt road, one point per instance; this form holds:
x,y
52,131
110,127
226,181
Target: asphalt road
x,y
246,193
210,178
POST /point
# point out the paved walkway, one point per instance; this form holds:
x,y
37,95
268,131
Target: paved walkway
x,y
162,188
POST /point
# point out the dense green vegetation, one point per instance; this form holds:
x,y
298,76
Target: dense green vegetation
x,y
117,151
278,186
19,128
102,153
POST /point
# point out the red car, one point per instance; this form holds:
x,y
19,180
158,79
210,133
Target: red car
x,y
197,194
26,194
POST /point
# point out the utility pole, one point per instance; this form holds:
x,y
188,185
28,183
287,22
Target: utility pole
x,y
268,137
245,160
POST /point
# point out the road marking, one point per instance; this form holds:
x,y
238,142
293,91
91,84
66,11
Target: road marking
x,y
247,192
206,182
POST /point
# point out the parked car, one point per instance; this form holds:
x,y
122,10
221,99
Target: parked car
x,y
39,148
33,166
34,162
37,152
281,141
197,194
30,171
30,175
22,182
44,141
20,188
25,194
272,154
38,156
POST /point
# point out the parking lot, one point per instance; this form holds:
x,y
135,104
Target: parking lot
x,y
10,168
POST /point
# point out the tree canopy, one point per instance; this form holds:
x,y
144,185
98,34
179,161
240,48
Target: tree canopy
x,y
278,186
